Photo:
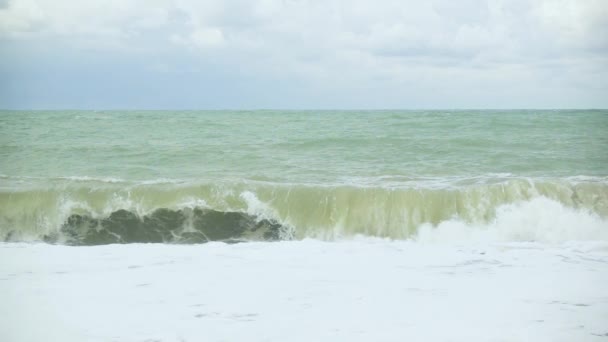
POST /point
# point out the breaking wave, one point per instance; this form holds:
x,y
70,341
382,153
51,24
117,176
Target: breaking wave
x,y
92,212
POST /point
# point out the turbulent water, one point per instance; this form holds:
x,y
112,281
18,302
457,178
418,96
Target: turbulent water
x,y
92,177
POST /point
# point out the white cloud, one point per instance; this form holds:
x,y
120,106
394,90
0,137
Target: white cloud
x,y
21,17
580,24
336,24
112,19
339,44
200,38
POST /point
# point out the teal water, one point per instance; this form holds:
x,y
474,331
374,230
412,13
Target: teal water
x,y
324,174
303,146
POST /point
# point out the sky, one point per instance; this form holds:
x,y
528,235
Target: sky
x,y
298,54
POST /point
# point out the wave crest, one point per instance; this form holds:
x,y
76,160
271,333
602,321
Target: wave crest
x,y
518,209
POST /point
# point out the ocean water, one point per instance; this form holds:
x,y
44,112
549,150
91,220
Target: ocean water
x,y
100,177
355,226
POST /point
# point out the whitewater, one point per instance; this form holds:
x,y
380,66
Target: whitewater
x,y
303,225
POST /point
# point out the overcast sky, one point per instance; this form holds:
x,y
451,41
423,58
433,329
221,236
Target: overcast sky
x,y
208,54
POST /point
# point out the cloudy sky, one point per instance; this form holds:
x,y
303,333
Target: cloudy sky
x,y
208,54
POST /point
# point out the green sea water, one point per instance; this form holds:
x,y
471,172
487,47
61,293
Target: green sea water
x,y
109,176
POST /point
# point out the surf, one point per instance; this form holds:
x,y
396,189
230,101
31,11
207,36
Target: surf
x,y
100,211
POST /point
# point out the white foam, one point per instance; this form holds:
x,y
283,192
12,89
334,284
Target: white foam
x,y
93,179
539,219
261,211
257,208
302,291
192,203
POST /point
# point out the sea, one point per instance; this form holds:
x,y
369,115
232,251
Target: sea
x,y
104,177
288,225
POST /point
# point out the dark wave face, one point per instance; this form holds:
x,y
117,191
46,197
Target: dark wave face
x,y
185,226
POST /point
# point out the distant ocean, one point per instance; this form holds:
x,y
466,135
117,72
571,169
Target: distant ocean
x,y
183,177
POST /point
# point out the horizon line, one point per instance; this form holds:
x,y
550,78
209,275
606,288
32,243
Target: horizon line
x,y
291,109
